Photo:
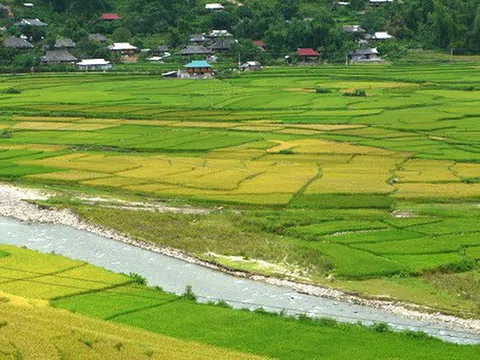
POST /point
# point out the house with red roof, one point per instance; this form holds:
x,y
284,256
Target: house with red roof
x,y
110,17
308,54
260,44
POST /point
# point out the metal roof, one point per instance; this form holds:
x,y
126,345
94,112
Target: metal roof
x,y
198,64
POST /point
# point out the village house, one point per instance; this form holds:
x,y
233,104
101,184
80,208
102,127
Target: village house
x,y
124,49
251,66
98,38
222,45
380,36
110,17
353,29
308,55
65,44
17,43
161,50
30,22
214,34
192,50
197,39
380,2
365,55
58,57
260,44
214,7
198,69
94,65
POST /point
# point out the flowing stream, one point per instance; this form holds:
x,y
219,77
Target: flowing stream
x,y
174,275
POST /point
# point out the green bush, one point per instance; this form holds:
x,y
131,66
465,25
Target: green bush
x,y
323,91
138,279
6,134
12,91
356,92
188,294
381,327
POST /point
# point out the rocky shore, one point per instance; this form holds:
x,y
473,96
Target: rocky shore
x,y
14,202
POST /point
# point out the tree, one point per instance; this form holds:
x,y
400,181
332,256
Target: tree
x,y
288,9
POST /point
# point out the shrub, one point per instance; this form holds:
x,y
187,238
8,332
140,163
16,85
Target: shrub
x,y
223,304
458,267
381,327
417,334
286,152
188,294
323,91
356,92
137,279
12,91
6,134
471,180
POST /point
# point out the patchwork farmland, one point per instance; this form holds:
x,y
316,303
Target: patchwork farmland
x,y
378,192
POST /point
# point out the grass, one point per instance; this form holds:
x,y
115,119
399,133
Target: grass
x,y
111,323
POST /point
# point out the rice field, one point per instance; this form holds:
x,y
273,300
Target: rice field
x,y
132,321
407,154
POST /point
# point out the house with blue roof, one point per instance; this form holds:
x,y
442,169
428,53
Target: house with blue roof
x,y
198,69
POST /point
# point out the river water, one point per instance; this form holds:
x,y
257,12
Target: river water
x,y
174,275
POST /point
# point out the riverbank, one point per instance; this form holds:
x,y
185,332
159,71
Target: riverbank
x,y
14,202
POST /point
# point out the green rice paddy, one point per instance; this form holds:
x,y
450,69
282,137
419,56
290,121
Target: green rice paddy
x,y
368,189
108,317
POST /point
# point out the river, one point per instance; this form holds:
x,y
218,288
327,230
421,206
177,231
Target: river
x,y
173,275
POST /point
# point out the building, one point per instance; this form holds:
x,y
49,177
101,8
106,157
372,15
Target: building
x,y
214,34
192,50
365,55
308,54
65,44
110,17
251,66
380,2
161,50
198,69
214,7
222,45
58,57
197,39
17,43
380,36
94,65
125,49
260,44
30,22
353,29
97,37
